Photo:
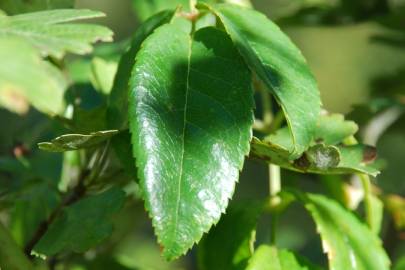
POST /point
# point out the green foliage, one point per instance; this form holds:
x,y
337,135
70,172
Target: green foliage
x,y
26,79
145,9
229,244
281,67
70,142
168,117
318,158
171,89
269,258
11,257
51,34
83,224
344,237
20,6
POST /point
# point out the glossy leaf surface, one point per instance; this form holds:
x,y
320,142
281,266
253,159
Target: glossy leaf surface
x,y
117,114
280,65
229,244
25,79
190,118
350,245
70,142
49,32
270,258
83,224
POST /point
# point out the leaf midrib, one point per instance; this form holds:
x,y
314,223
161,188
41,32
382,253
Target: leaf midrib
x,y
190,41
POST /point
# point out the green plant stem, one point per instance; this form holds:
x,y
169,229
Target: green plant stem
x,y
11,255
274,189
274,180
365,181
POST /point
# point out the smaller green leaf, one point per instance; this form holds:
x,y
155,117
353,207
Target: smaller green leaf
x,y
333,129
26,79
229,244
357,158
319,158
51,35
70,142
34,205
344,237
102,74
270,258
23,6
327,155
83,224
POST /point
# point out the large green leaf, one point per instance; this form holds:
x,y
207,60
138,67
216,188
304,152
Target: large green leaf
x,y
69,142
190,116
280,65
26,79
50,33
21,6
117,114
83,224
350,245
270,258
229,244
